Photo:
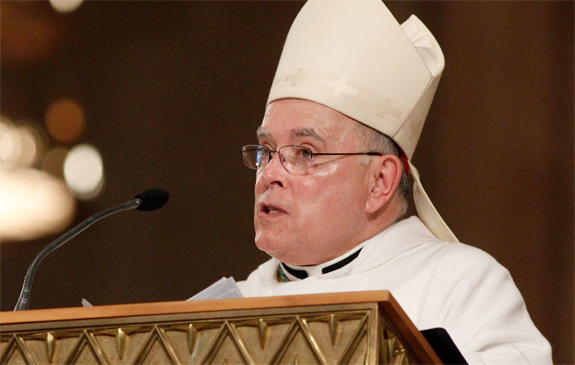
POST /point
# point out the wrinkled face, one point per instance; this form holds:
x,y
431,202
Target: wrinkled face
x,y
313,218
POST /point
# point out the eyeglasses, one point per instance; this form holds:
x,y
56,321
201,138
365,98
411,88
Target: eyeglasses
x,y
295,159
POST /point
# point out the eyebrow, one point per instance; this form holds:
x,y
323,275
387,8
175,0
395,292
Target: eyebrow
x,y
306,132
296,132
262,132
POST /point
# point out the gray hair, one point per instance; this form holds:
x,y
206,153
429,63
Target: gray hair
x,y
379,142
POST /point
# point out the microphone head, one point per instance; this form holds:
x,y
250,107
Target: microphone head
x,y
152,199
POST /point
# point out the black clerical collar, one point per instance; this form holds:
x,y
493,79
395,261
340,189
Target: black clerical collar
x,y
290,273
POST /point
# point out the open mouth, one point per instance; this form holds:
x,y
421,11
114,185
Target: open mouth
x,y
270,209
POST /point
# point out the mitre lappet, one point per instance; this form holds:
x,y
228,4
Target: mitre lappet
x,y
353,56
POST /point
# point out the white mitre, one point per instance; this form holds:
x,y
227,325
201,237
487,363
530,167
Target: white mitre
x,y
354,57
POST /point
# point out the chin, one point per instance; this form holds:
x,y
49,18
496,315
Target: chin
x,y
271,247
275,250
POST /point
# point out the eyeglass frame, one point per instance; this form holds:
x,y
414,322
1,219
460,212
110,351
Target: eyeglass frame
x,y
312,154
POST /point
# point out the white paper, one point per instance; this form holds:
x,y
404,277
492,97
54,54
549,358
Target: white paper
x,y
222,289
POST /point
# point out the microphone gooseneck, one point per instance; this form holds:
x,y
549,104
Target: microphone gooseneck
x,y
148,200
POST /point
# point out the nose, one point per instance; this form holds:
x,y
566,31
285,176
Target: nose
x,y
273,173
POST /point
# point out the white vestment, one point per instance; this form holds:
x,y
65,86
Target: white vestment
x,y
438,284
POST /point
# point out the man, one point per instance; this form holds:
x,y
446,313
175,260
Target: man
x,y
345,111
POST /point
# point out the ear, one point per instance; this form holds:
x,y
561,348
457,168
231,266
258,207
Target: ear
x,y
385,177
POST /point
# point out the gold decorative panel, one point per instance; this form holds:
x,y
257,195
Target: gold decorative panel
x,y
345,336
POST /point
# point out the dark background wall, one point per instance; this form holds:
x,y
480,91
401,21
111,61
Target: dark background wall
x,y
173,89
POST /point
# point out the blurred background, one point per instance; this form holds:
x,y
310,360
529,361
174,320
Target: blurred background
x,y
101,100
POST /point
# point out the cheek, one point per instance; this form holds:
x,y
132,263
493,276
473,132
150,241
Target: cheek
x,y
326,170
321,201
338,196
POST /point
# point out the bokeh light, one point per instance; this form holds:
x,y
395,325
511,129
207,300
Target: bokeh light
x,y
65,6
9,143
53,162
33,204
30,34
29,146
84,171
65,120
22,144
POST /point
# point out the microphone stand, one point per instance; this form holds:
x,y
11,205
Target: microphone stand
x,y
24,298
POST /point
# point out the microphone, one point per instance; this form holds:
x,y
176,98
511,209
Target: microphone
x,y
147,200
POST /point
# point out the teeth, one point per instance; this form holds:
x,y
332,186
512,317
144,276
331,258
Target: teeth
x,y
272,211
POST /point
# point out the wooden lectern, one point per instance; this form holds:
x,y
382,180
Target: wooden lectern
x,y
344,328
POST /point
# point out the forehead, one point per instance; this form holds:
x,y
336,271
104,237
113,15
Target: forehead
x,y
296,118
